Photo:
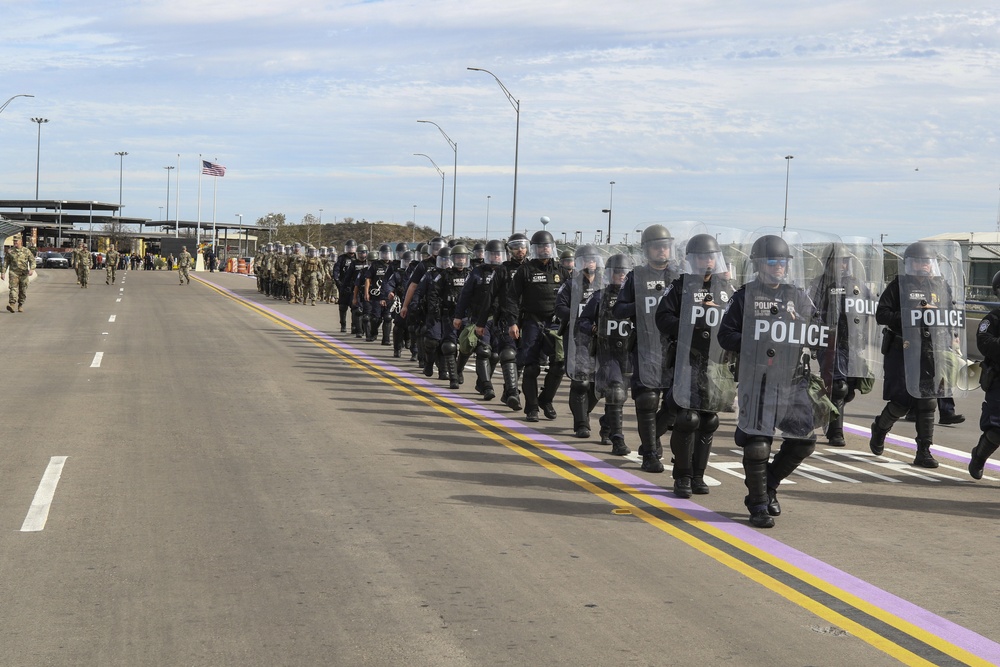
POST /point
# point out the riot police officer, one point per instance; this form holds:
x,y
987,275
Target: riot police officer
x,y
924,325
567,262
769,321
517,254
480,303
639,298
439,292
580,361
357,278
376,306
393,287
988,342
342,271
478,255
531,300
690,312
609,342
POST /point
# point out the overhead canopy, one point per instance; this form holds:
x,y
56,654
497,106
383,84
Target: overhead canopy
x,y
9,228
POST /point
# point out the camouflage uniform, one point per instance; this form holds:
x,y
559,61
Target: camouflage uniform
x,y
18,264
295,262
312,270
81,259
110,264
183,266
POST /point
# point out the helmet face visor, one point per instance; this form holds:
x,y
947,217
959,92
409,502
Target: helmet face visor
x,y
444,262
543,250
460,260
658,251
706,263
921,266
495,257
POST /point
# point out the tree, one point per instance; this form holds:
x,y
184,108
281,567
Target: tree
x,y
117,237
274,222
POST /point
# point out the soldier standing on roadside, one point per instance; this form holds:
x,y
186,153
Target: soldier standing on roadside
x,y
18,264
81,260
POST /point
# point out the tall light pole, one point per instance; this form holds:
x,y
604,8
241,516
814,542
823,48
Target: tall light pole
x,y
441,218
38,154
166,219
4,105
240,216
488,217
121,177
517,138
454,174
788,165
413,229
608,209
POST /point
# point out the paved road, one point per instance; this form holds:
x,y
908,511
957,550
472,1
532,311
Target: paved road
x,y
244,486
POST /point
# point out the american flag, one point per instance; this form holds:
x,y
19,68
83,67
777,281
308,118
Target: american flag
x,y
212,169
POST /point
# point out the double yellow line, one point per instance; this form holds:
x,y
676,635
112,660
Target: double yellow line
x,y
881,628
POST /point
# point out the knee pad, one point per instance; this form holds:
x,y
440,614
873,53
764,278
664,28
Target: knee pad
x,y
448,347
896,410
646,401
925,404
801,449
494,357
508,354
756,450
838,391
687,421
532,371
483,350
557,367
709,422
579,387
615,394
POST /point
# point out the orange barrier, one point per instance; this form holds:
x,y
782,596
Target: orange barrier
x,y
231,265
241,267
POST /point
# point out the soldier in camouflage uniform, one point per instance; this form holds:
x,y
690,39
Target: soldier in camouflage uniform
x,y
184,265
295,262
312,269
110,264
18,264
81,260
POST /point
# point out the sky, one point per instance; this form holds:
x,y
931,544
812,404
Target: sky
x,y
690,107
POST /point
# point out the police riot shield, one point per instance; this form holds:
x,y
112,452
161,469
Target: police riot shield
x,y
661,263
932,308
588,276
846,295
612,335
782,332
703,371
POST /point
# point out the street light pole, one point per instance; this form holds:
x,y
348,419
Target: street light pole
x,y
488,217
788,164
454,173
4,105
441,217
240,216
167,218
611,202
121,177
413,229
38,154
517,139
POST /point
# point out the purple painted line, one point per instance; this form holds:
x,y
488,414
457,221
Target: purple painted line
x,y
899,441
932,623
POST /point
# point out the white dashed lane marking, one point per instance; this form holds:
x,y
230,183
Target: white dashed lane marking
x,y
38,513
96,363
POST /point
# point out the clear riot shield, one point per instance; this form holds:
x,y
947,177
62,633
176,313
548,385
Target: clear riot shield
x,y
703,377
650,280
782,332
846,295
932,308
588,277
613,336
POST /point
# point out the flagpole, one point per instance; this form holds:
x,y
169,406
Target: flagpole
x,y
197,236
215,194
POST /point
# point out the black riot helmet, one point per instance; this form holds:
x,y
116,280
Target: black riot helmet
x,y
460,256
996,283
444,258
400,249
657,244
424,251
543,246
770,246
919,259
436,244
616,268
385,252
404,259
362,251
704,256
655,233
495,253
350,246
478,250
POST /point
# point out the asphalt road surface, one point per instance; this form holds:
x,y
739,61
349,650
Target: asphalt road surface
x,y
197,475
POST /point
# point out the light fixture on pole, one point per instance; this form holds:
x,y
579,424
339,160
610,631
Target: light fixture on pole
x,y
517,138
167,219
121,176
454,173
788,163
4,105
441,219
38,154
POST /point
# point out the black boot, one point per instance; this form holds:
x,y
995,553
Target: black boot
x,y
460,367
835,430
925,437
578,407
430,354
647,437
755,455
483,373
451,370
553,378
699,461
988,443
510,392
882,424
